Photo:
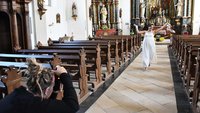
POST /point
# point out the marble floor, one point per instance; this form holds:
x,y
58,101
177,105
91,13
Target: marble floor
x,y
139,91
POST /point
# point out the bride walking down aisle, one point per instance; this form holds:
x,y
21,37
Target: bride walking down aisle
x,y
148,46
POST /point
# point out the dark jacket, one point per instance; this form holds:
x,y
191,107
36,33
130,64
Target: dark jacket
x,y
22,101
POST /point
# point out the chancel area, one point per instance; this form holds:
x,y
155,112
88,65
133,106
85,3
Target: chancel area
x,y
121,56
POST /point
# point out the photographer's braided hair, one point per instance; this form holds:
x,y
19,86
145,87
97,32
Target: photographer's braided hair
x,y
38,78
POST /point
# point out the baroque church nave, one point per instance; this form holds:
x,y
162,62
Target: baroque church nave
x,y
99,43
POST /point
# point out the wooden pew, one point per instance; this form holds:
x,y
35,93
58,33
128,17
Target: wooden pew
x,y
190,71
92,65
189,66
196,91
96,54
189,55
177,42
182,58
126,42
107,50
114,45
130,43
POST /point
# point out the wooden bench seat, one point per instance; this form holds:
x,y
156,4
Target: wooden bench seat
x,y
125,43
109,49
91,57
187,51
196,91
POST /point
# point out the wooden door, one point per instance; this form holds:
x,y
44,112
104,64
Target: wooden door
x,y
5,34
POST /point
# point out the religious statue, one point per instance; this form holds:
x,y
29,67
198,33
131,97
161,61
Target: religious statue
x,y
142,9
74,11
58,18
179,8
104,14
40,4
41,9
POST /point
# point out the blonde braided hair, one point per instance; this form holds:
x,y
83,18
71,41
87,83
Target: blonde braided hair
x,y
39,78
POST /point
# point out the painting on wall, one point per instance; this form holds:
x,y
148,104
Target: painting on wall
x,y
57,18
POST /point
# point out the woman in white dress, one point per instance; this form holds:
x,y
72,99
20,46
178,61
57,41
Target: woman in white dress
x,y
148,46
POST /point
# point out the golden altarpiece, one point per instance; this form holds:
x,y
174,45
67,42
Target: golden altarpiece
x,y
104,15
158,12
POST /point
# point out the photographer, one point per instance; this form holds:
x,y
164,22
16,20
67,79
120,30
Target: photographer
x,y
40,94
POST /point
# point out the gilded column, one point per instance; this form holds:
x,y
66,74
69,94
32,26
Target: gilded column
x,y
108,16
116,13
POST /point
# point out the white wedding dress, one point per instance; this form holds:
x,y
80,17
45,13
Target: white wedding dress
x,y
148,49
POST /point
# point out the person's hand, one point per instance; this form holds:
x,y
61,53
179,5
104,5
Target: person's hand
x,y
135,25
59,70
172,31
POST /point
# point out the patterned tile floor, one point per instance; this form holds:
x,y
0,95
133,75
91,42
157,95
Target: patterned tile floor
x,y
139,91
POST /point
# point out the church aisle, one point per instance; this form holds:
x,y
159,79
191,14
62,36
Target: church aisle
x,y
139,91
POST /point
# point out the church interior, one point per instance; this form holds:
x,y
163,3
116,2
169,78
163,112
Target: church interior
x,y
98,43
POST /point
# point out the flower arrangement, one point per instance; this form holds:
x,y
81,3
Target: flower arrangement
x,y
104,27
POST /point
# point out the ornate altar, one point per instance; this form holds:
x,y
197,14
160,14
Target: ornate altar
x,y
157,12
104,13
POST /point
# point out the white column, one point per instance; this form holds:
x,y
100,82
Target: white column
x,y
189,8
196,17
185,8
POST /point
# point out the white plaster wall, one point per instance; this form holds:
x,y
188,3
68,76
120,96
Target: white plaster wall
x,y
39,26
79,26
54,29
125,16
48,28
196,17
